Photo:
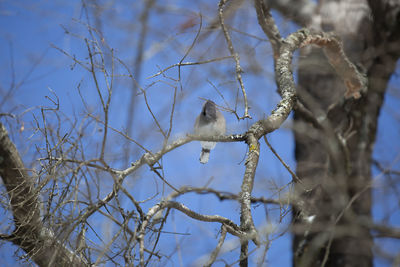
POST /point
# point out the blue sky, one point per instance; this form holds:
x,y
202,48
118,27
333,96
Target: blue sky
x,y
28,34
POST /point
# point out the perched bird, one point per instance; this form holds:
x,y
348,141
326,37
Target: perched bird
x,y
81,241
210,122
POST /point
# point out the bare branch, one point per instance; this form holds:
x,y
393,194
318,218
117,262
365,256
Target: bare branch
x,y
230,226
246,218
224,195
180,64
294,176
354,81
268,25
221,240
235,55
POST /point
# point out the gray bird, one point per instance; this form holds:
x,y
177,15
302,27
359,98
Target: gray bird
x,y
210,122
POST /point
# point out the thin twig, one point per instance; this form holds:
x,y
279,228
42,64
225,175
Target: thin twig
x,y
189,64
215,252
235,55
294,176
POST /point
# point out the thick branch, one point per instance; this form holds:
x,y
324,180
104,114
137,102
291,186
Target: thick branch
x,y
246,219
354,81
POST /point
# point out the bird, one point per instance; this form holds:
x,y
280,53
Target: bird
x,y
210,122
81,241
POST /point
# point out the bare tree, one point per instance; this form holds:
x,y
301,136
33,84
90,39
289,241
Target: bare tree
x,y
101,190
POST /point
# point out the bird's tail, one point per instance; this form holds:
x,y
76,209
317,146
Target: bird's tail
x,y
204,156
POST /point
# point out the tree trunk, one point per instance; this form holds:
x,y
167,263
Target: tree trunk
x,y
334,149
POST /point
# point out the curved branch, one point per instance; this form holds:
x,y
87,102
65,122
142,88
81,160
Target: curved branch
x,y
229,225
225,195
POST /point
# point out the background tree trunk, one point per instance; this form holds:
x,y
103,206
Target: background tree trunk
x,y
334,154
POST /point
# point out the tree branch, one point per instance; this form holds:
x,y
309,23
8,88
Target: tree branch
x,y
235,55
269,27
229,225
